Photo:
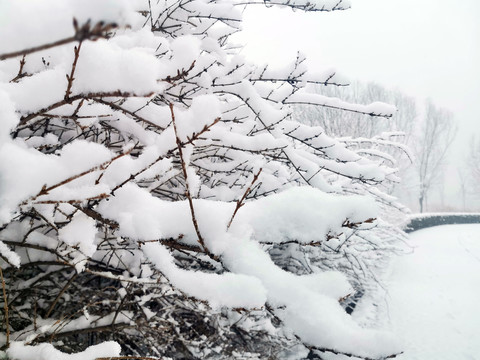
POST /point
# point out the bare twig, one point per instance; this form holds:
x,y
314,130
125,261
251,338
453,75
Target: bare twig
x,y
50,309
85,32
96,216
72,201
240,202
352,110
5,307
180,75
87,96
187,186
70,77
311,243
45,190
190,140
127,112
37,48
353,225
174,244
196,136
20,71
37,247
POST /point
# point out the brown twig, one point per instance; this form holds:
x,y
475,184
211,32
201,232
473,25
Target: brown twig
x,y
187,186
73,201
48,222
5,307
45,190
122,303
88,96
353,225
245,194
96,216
196,136
74,117
37,48
20,71
311,243
36,247
180,75
174,244
35,310
70,78
190,140
127,112
85,32
50,309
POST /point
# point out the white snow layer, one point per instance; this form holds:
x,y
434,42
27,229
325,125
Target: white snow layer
x,y
19,351
434,292
81,232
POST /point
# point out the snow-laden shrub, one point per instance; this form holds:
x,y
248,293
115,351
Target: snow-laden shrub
x,y
155,190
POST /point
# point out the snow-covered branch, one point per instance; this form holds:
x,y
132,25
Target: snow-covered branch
x,y
155,187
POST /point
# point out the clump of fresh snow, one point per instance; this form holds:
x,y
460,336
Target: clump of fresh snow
x,y
24,171
11,256
19,351
80,232
304,214
228,289
105,67
254,278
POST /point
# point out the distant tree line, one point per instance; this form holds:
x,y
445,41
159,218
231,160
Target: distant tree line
x,y
425,129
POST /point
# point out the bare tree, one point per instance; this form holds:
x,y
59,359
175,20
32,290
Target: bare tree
x,y
354,129
470,174
337,123
436,133
464,186
474,161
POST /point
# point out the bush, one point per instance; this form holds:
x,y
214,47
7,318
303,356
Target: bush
x,y
156,193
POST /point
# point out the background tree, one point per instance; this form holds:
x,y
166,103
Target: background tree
x,y
426,135
157,197
474,160
436,133
351,124
469,174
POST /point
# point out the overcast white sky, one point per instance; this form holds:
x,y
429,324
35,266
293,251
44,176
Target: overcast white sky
x,y
426,48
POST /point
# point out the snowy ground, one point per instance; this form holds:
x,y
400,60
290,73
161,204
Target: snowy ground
x,y
434,294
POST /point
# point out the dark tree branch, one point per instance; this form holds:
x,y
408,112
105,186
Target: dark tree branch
x,y
85,32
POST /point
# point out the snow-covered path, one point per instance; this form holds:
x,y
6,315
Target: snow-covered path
x,y
434,294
